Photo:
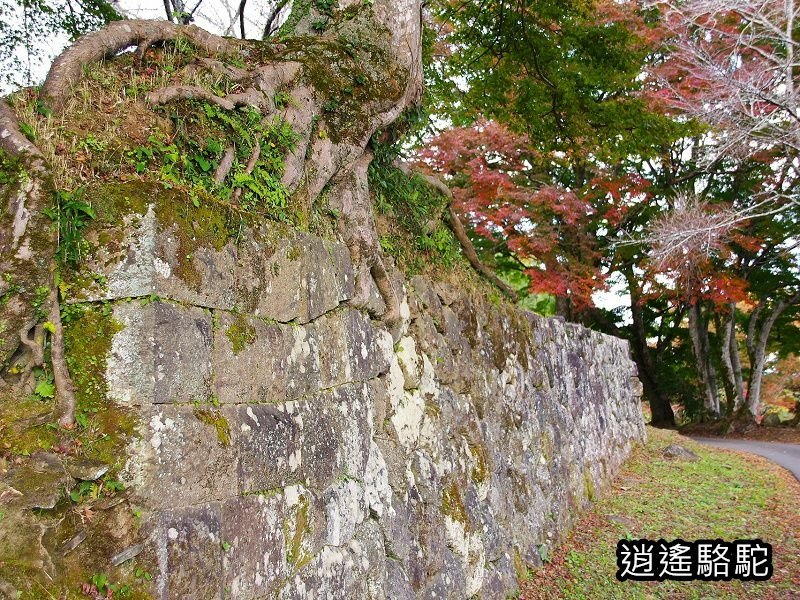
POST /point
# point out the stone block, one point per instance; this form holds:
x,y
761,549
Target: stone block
x,y
268,439
147,255
254,564
259,362
189,550
161,355
185,456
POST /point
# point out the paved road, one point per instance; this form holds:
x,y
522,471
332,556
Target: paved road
x,y
786,455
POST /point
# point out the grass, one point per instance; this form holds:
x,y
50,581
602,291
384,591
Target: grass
x,y
723,495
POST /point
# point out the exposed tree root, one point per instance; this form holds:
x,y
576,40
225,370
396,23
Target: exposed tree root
x,y
392,317
349,162
457,227
188,92
357,227
35,345
17,256
117,36
342,163
235,74
65,389
225,165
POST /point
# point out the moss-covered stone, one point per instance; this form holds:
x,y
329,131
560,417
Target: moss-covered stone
x,y
546,447
296,529
481,468
218,421
241,334
453,504
104,426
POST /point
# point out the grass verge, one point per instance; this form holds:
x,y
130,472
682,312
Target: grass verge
x,y
725,495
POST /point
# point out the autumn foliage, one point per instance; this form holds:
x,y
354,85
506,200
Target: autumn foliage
x,y
546,228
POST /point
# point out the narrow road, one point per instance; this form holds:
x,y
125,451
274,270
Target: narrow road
x,y
786,455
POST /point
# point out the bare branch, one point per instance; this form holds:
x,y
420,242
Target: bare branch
x,y
270,26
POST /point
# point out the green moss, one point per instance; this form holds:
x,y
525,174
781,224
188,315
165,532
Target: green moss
x,y
293,253
22,430
114,201
588,484
241,334
106,428
207,226
433,410
300,10
295,530
211,224
546,446
481,469
218,421
453,504
419,239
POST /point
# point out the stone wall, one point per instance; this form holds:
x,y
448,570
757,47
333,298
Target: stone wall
x,y
290,448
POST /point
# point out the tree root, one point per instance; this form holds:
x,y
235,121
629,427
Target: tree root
x,y
65,389
342,163
225,165
457,227
17,247
357,227
392,317
117,36
235,74
35,346
188,92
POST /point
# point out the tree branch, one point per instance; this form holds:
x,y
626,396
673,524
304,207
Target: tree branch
x,y
457,227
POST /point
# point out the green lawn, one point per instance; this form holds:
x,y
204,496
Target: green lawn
x,y
723,495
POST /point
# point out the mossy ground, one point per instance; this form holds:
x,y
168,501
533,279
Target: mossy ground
x,y
723,495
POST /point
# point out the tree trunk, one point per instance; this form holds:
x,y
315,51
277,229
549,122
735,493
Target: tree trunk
x,y
698,331
660,407
758,333
736,363
729,354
